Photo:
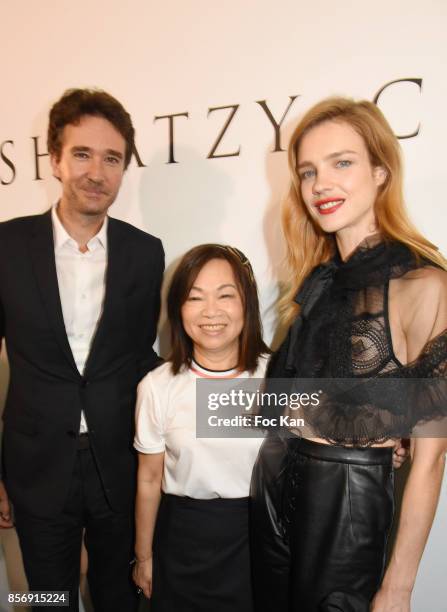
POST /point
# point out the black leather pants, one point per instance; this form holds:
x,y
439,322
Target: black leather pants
x,y
321,516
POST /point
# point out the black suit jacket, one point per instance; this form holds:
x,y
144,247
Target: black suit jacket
x,y
46,392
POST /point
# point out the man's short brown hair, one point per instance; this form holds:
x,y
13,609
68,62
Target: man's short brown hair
x,y
77,103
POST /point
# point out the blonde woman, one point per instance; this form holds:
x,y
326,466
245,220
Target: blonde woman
x,y
368,301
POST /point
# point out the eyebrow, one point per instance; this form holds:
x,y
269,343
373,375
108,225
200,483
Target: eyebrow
x,y
218,288
107,151
331,156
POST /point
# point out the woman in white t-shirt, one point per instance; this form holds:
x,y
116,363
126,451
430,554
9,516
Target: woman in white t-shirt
x,y
192,552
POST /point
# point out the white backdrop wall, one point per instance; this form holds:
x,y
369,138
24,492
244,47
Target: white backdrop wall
x,y
190,56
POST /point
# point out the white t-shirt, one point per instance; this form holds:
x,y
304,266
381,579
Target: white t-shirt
x,y
202,468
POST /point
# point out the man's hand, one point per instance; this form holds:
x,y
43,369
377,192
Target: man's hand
x,y
5,509
400,454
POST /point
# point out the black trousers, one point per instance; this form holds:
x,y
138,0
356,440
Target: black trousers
x,y
334,510
51,547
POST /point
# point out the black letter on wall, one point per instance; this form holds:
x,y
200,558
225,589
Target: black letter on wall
x,y
8,162
37,155
211,154
171,133
137,157
276,126
417,82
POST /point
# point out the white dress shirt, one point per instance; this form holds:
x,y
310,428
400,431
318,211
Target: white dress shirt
x,y
82,280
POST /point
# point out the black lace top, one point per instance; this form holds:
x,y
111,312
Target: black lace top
x,y
343,332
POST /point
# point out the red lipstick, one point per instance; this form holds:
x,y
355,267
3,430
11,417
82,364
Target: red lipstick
x,y
330,209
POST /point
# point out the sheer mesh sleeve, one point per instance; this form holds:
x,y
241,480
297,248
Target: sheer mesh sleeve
x,y
402,400
343,339
398,404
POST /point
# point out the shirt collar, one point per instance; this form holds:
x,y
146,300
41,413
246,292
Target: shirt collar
x,y
62,237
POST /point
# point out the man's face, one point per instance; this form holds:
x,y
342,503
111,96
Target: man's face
x,y
90,167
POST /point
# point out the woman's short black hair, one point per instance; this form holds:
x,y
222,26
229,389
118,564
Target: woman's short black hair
x,y
251,344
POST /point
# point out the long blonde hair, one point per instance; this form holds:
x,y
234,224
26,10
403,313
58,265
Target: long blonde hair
x,y
307,245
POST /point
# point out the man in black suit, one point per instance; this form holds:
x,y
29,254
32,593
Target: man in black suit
x,y
79,304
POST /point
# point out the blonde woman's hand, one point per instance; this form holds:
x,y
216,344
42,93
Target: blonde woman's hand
x,y
142,575
389,600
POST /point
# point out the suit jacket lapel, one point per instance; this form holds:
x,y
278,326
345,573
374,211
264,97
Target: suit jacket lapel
x,y
43,260
115,274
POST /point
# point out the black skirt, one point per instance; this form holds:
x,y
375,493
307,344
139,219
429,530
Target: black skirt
x,y
201,556
333,512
